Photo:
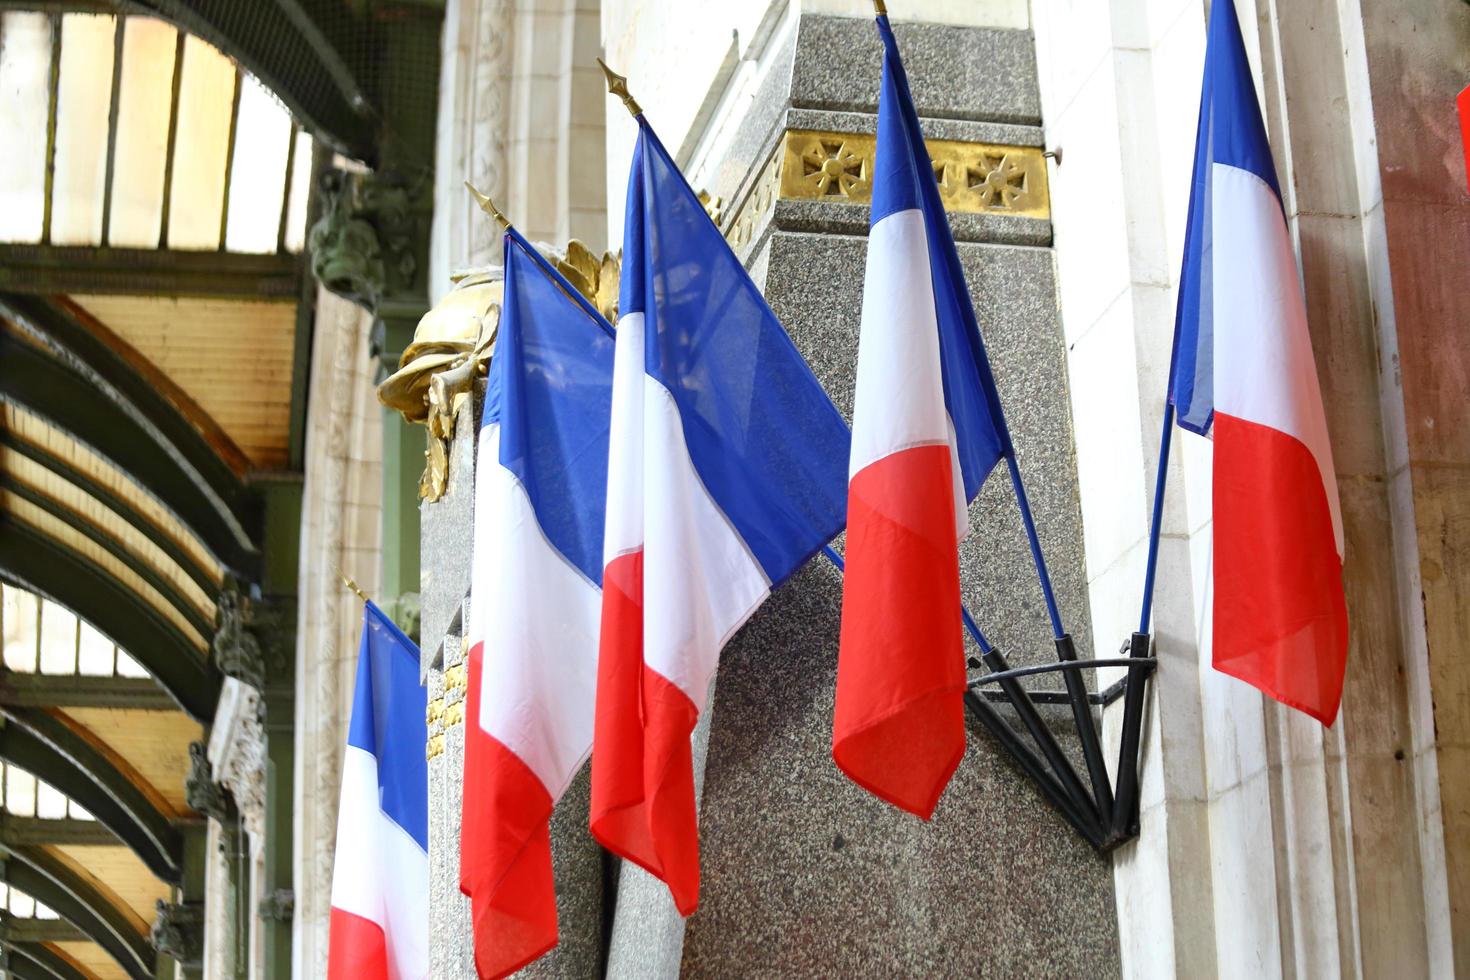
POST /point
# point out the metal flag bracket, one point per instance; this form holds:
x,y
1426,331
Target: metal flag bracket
x,y
1103,811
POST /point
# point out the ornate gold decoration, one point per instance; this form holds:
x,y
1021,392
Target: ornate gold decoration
x,y
434,747
454,714
456,678
973,178
618,85
454,341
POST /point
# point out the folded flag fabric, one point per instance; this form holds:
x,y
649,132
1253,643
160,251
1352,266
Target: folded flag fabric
x,y
1243,373
536,599
379,928
725,475
927,430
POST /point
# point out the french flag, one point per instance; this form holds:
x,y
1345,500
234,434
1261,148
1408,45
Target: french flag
x,y
1243,374
380,881
927,430
535,602
725,475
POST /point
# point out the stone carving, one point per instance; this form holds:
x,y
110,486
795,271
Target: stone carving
x,y
815,166
453,343
362,247
278,906
178,931
201,792
236,649
238,753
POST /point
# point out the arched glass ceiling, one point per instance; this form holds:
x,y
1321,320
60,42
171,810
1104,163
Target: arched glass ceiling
x,y
155,140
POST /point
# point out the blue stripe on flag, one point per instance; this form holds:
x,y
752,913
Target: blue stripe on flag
x,y
388,721
552,397
904,179
767,442
1230,132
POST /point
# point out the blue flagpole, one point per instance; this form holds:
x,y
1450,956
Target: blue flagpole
x,y
1037,558
970,624
1165,438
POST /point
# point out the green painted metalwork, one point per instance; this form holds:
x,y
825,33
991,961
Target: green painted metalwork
x,y
47,880
60,269
35,562
67,831
81,352
46,748
33,961
201,576
68,401
28,690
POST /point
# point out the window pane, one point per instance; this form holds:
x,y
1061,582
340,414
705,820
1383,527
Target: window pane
x,y
258,174
45,912
128,667
207,89
143,111
49,802
22,632
58,639
94,652
20,792
77,811
300,193
82,107
25,82
22,906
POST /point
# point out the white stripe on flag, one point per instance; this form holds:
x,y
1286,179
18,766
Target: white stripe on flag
x,y
1264,370
538,617
381,874
701,582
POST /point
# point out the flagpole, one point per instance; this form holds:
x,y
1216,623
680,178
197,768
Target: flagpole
x,y
1165,438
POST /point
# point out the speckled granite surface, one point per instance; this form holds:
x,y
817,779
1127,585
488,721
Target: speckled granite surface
x,y
804,874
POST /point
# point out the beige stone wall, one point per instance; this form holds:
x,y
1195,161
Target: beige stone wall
x,y
1269,845
341,533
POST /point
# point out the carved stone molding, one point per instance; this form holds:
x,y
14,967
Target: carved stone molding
x,y
277,906
201,792
365,245
237,753
975,178
178,931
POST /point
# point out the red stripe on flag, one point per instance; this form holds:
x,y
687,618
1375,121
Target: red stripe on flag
x,y
1280,612
643,806
898,729
357,949
505,848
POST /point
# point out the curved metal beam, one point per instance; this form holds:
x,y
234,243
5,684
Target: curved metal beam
x,y
202,576
268,39
34,961
67,400
113,547
46,879
37,563
45,747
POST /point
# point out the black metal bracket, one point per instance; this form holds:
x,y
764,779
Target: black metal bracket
x,y
1106,815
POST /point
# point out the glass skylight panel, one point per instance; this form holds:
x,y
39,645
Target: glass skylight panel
x,y
22,629
95,652
58,639
25,87
300,193
258,174
196,202
50,803
84,100
144,107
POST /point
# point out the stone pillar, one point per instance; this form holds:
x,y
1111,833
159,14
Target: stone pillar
x,y
341,529
1269,845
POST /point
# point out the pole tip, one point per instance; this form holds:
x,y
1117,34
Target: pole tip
x,y
879,8
352,585
486,205
618,85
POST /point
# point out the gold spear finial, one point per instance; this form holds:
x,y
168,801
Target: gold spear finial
x,y
879,9
618,85
347,581
487,205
